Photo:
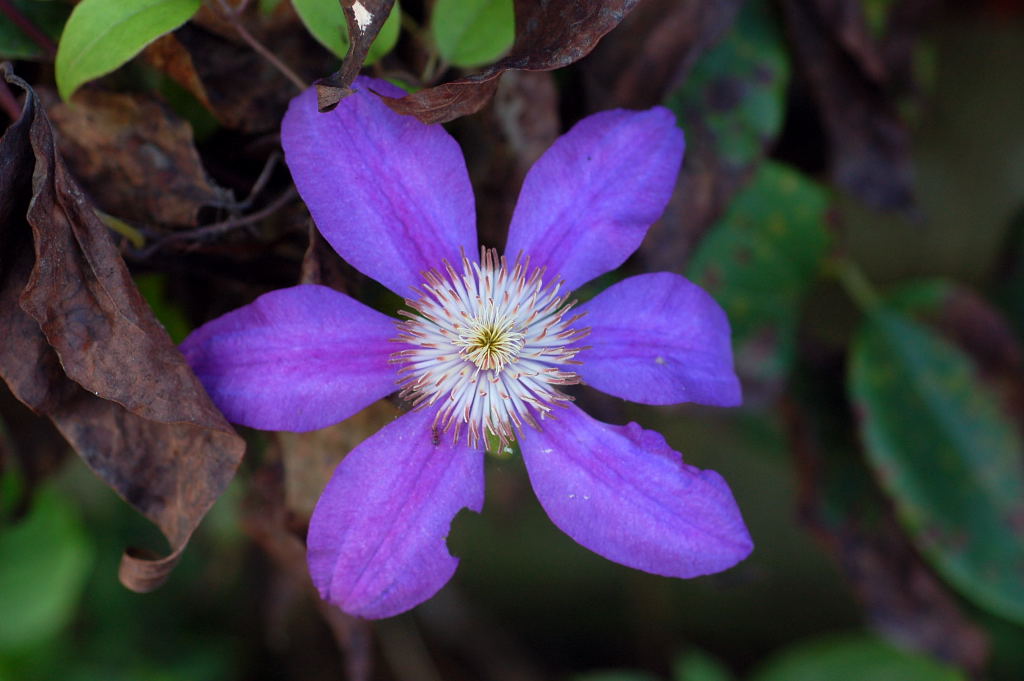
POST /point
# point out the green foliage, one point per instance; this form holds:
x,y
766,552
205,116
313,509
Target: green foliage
x,y
696,665
326,22
616,675
853,658
101,35
737,90
153,288
758,263
472,32
46,15
46,559
948,456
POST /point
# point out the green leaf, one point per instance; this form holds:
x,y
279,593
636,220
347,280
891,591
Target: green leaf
x,y
759,261
101,35
735,97
47,16
854,658
946,454
473,32
615,675
697,665
46,559
153,288
326,22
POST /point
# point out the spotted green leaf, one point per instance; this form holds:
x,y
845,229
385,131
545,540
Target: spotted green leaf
x,y
101,35
326,22
758,262
946,454
472,32
854,658
46,560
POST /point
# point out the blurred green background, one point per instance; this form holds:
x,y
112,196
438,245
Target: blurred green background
x,y
878,460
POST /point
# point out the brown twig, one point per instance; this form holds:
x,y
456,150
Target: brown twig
x,y
28,28
232,14
219,228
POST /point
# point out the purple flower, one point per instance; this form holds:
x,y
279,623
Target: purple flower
x,y
484,348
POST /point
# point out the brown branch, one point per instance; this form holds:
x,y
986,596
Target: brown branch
x,y
219,228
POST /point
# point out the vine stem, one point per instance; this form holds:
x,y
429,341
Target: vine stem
x,y
857,286
219,228
28,28
232,15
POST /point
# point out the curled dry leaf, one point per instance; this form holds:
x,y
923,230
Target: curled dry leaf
x,y
82,347
549,35
135,157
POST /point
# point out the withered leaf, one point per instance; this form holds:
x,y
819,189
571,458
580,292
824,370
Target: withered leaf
x,y
364,19
549,35
869,145
82,347
135,157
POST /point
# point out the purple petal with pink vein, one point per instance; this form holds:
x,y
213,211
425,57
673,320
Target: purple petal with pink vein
x,y
390,194
623,493
295,359
587,202
376,544
659,339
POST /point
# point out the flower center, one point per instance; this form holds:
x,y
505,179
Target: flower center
x,y
490,344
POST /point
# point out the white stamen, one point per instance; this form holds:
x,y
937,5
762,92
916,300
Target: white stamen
x,y
489,345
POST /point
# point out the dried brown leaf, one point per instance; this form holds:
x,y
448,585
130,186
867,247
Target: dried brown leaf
x,y
83,348
136,158
549,35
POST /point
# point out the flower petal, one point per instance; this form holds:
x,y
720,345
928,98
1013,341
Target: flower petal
x,y
376,544
390,194
587,202
296,359
623,493
659,339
